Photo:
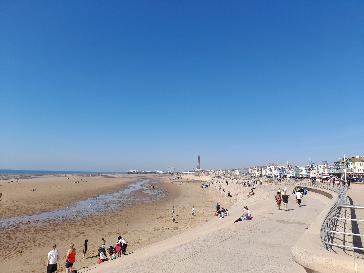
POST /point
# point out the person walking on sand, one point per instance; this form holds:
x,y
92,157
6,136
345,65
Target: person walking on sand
x,y
193,211
70,258
52,260
278,198
285,199
84,250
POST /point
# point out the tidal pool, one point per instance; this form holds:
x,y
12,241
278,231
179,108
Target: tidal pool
x,y
140,191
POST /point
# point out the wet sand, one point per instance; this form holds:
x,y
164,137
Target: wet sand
x,y
46,193
24,248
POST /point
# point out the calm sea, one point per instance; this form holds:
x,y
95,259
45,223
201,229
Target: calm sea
x,y
45,172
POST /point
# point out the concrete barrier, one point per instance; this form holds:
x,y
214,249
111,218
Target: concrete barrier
x,y
323,192
310,253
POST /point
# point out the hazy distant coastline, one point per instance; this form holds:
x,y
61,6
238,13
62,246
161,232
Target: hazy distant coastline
x,y
49,172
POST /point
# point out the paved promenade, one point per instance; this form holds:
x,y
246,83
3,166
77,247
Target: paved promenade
x,y
356,197
261,245
356,193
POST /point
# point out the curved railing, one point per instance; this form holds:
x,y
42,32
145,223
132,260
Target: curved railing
x,y
330,224
333,219
320,248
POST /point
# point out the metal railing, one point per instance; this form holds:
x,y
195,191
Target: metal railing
x,y
334,220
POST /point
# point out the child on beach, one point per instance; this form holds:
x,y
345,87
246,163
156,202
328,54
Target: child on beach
x,y
193,211
102,255
278,198
111,252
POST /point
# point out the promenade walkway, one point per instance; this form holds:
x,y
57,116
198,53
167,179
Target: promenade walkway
x,y
261,245
356,193
356,197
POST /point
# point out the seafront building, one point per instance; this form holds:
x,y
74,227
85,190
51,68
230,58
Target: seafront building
x,y
357,165
345,168
352,168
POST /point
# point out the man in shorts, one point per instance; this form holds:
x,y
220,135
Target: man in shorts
x,y
52,260
285,199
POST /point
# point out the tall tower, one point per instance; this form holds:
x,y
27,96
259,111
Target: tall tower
x,y
198,162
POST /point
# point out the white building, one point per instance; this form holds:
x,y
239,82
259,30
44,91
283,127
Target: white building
x,y
255,171
357,165
306,172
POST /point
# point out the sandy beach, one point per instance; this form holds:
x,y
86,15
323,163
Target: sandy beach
x,y
142,224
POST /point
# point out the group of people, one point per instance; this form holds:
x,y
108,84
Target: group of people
x,y
230,185
282,197
112,252
104,254
221,212
53,256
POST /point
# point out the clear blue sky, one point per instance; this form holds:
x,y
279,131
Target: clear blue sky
x,y
114,85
